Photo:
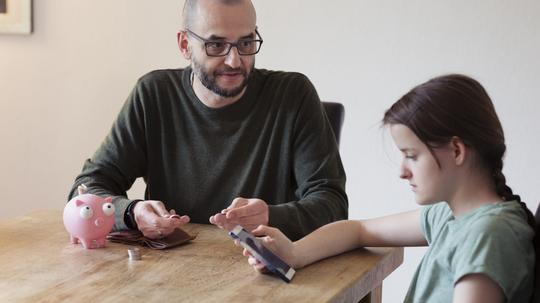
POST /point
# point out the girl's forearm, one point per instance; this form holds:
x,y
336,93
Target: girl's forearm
x,y
328,240
401,229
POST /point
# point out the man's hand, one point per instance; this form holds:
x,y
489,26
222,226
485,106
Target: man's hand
x,y
249,213
154,221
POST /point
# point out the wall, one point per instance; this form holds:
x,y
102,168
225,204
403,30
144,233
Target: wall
x,y
61,87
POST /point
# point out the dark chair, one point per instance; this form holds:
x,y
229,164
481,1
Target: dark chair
x,y
536,297
335,113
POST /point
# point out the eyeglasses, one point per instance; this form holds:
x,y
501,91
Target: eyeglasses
x,y
245,47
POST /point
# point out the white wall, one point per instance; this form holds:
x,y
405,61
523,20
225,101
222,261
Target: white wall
x,y
61,87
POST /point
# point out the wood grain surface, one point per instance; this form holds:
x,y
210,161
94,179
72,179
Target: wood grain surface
x,y
39,264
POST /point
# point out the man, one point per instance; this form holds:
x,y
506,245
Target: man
x,y
221,141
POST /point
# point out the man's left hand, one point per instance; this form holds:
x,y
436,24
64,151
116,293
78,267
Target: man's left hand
x,y
249,213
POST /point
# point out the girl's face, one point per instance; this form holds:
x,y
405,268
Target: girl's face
x,y
428,181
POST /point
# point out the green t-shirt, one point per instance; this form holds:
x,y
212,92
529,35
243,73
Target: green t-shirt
x,y
494,240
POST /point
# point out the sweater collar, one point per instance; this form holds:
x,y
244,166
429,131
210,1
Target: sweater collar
x,y
234,111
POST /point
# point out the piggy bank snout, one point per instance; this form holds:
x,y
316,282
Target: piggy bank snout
x,y
99,222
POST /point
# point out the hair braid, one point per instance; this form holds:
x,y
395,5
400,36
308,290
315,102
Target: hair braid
x,y
505,191
502,189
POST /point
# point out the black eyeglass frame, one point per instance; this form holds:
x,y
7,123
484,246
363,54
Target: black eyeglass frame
x,y
230,44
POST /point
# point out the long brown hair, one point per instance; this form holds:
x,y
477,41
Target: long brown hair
x,y
457,105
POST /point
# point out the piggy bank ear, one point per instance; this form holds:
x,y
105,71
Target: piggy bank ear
x,y
108,200
79,203
82,189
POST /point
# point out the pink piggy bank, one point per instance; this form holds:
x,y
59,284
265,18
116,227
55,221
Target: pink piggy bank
x,y
89,219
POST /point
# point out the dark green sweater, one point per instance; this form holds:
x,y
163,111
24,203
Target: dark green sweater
x,y
275,143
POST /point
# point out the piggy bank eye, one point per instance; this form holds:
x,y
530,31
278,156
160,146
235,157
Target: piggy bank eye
x,y
86,212
108,209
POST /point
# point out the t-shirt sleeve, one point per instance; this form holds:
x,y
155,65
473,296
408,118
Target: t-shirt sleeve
x,y
433,218
492,248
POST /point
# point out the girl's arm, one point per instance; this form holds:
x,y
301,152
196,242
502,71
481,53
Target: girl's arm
x,y
477,288
396,230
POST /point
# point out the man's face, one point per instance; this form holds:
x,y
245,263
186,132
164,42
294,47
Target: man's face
x,y
225,76
222,79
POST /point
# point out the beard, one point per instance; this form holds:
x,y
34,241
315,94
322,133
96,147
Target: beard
x,y
208,79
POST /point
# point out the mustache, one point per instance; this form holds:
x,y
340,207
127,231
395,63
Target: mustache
x,y
228,69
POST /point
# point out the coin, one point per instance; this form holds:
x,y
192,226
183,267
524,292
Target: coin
x,y
134,254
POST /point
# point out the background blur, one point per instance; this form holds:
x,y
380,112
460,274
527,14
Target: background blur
x,y
62,86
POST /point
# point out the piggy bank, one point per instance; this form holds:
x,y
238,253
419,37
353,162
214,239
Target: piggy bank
x,y
89,219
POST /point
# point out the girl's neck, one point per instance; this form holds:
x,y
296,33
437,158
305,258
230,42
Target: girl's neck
x,y
472,193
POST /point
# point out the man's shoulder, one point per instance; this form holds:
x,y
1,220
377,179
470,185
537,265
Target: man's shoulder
x,y
281,76
279,73
173,76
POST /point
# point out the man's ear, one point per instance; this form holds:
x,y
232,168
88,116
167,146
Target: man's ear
x,y
459,150
183,44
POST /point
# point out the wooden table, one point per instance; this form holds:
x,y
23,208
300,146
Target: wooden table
x,y
39,264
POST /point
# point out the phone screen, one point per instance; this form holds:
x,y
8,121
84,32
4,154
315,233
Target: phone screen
x,y
274,263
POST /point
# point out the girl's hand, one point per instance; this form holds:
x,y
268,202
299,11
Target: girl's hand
x,y
277,242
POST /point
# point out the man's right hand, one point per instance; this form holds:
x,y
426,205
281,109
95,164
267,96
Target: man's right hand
x,y
249,213
154,221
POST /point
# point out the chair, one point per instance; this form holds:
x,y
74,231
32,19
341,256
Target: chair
x,y
536,296
336,114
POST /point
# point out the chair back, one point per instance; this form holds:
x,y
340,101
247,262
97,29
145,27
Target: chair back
x,y
336,114
536,295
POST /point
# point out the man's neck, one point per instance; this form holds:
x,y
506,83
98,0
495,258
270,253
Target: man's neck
x,y
210,98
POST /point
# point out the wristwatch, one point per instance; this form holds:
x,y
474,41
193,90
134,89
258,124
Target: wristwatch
x,y
129,216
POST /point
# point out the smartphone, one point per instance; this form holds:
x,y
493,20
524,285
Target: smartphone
x,y
255,247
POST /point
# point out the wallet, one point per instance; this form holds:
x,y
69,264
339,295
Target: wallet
x,y
135,237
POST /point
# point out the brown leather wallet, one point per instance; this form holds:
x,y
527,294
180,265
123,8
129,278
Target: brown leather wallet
x,y
135,237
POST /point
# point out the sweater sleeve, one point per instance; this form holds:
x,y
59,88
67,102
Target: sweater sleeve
x,y
120,159
318,172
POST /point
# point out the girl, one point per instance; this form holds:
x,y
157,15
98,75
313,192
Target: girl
x,y
480,238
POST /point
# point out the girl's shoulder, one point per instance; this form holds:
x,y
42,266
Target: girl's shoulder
x,y
500,218
488,241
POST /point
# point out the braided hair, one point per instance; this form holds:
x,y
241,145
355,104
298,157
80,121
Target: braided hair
x,y
506,192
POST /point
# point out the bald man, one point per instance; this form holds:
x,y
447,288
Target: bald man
x,y
221,141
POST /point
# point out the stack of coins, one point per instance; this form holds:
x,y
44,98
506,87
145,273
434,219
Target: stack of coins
x,y
134,254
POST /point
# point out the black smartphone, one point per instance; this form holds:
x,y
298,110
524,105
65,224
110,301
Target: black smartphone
x,y
274,263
